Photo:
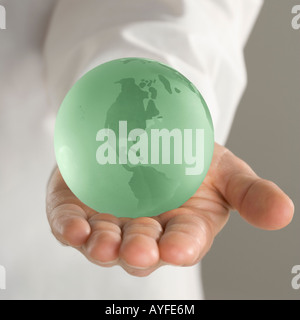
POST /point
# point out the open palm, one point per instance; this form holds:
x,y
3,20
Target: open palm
x,y
177,237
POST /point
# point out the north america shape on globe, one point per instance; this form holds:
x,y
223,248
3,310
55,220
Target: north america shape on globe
x,y
136,105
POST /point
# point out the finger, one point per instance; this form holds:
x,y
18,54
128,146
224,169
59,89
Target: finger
x,y
67,219
188,236
103,245
260,202
139,249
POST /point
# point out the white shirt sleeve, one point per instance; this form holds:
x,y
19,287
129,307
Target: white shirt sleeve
x,y
203,39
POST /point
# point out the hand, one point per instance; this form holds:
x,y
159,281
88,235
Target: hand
x,y
177,237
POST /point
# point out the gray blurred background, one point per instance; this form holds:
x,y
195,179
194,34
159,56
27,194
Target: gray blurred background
x,y
266,134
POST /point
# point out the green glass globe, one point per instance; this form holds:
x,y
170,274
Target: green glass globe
x,y
133,138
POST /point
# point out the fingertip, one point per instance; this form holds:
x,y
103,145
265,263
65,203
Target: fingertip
x,y
273,210
103,247
179,249
173,253
139,251
281,211
75,231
